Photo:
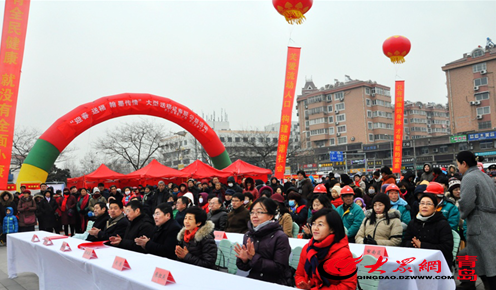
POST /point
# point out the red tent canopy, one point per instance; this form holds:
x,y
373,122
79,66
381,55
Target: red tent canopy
x,y
156,170
199,170
101,174
241,168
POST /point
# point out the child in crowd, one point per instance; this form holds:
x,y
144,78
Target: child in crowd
x,y
361,203
10,224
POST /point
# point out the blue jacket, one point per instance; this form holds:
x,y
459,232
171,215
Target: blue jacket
x,y
452,214
402,206
10,222
352,218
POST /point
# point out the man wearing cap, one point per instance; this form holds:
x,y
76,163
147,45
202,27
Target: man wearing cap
x,y
350,212
95,198
227,202
449,210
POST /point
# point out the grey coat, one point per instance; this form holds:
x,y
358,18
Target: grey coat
x,y
478,206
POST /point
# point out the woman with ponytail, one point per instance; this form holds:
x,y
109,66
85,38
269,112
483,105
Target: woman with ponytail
x,y
327,251
477,206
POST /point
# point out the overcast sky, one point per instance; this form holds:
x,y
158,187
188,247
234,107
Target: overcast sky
x,y
209,55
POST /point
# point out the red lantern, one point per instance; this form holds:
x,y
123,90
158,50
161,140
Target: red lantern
x,y
293,10
396,48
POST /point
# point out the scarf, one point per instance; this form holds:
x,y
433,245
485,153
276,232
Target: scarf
x,y
64,204
424,218
400,201
189,235
317,251
260,226
357,183
113,221
86,198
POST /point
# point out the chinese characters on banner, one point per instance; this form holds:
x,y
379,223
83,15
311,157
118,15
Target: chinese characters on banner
x,y
15,23
398,125
466,268
292,64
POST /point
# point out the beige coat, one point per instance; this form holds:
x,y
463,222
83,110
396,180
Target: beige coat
x,y
385,234
286,222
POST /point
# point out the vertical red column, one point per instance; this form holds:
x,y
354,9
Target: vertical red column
x,y
292,64
399,106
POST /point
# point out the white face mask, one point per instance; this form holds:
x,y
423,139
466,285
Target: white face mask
x,y
378,179
127,192
200,200
230,184
246,201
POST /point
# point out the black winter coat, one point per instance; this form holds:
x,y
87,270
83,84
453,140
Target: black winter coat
x,y
47,213
159,197
434,234
142,225
113,229
272,250
202,249
100,223
164,240
219,218
180,217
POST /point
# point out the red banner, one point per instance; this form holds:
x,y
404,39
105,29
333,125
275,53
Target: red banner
x,y
292,64
15,22
399,106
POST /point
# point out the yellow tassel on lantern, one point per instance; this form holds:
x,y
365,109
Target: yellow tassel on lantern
x,y
293,16
397,59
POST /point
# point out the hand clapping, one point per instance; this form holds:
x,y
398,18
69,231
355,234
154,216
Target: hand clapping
x,y
245,252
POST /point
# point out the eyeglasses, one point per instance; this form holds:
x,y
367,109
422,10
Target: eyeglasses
x,y
257,213
426,203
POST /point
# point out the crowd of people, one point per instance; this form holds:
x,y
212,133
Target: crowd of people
x,y
423,210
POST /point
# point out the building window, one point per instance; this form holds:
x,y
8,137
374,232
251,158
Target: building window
x,y
407,152
369,125
317,121
222,139
237,139
341,118
253,139
274,140
331,130
329,98
485,125
329,108
443,149
229,139
405,121
260,140
245,139
480,82
341,129
340,107
424,150
478,67
342,140
463,146
318,132
371,137
308,134
367,91
486,145
368,102
483,110
477,52
331,119
307,123
309,144
369,114
482,96
332,142
339,96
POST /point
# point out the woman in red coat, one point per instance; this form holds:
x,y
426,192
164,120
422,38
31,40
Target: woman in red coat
x,y
326,261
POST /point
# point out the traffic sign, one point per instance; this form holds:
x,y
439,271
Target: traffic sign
x,y
336,156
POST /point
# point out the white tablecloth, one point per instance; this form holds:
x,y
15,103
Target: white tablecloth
x,y
69,270
395,254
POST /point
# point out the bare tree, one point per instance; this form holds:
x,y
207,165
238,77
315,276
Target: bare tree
x,y
137,143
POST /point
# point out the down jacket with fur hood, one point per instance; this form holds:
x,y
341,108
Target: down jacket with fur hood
x,y
202,249
383,233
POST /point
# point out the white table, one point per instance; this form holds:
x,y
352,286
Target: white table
x,y
395,254
69,270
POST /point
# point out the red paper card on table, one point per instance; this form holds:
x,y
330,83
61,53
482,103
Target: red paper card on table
x,y
89,253
47,242
120,264
220,235
375,251
162,276
65,247
35,239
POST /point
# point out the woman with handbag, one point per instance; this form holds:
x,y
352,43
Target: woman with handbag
x,y
26,210
382,224
68,209
83,207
